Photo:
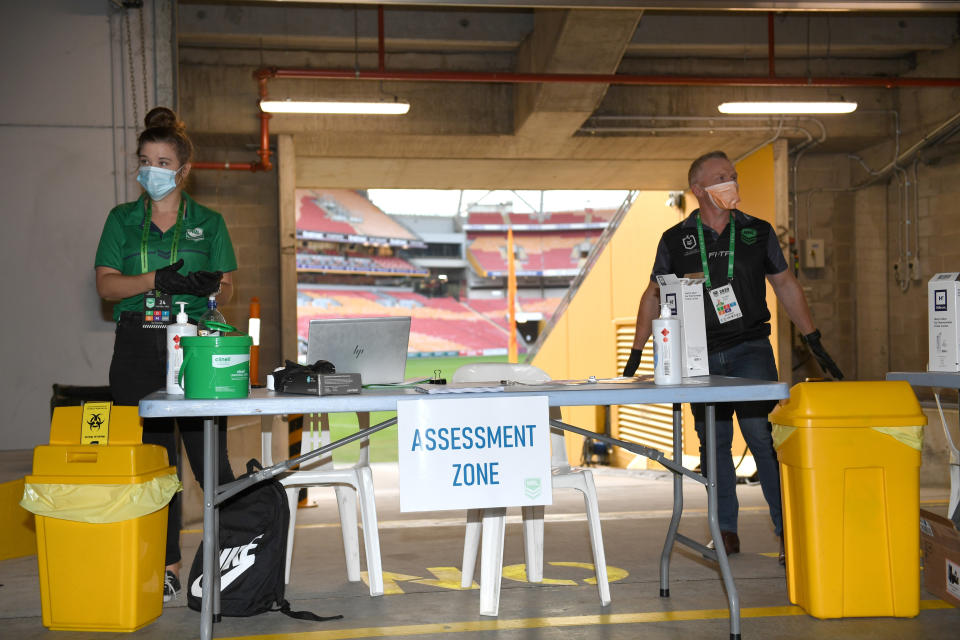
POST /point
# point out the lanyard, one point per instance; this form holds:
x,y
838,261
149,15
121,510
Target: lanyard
x,y
146,234
703,251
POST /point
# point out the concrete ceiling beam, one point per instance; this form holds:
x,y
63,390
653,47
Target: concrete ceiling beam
x,y
568,42
340,27
675,5
507,147
745,35
373,173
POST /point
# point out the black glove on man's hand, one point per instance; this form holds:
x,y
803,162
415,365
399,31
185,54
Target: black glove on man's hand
x,y
823,358
198,283
632,363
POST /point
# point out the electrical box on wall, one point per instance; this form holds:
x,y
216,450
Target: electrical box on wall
x,y
813,253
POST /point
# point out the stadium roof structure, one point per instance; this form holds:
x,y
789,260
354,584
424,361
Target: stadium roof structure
x,y
342,215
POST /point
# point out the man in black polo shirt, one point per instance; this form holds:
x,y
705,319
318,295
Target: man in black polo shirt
x,y
734,253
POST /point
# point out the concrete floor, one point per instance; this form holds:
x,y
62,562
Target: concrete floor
x,y
422,553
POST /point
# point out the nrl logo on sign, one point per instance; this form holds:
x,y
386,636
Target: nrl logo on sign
x,y
531,487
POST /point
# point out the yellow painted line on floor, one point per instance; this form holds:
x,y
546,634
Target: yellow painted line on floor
x,y
553,621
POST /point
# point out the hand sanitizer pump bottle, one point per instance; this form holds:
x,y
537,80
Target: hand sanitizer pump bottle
x,y
666,348
175,331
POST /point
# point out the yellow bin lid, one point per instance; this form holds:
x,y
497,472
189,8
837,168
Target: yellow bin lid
x,y
850,404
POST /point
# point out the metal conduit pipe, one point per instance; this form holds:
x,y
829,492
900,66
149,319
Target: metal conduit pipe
x,y
264,151
509,77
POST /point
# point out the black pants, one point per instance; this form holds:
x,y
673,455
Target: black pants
x,y
138,368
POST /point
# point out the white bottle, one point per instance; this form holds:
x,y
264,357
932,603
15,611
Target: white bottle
x,y
666,348
174,351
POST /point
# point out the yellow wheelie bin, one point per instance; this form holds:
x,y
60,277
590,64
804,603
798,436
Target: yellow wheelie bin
x,y
849,466
101,520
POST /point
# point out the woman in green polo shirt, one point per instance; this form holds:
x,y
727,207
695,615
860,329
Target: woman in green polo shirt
x,y
162,249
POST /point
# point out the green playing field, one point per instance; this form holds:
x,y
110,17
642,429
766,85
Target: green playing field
x,y
383,445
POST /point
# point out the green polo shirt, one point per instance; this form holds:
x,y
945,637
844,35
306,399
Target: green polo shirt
x,y
204,246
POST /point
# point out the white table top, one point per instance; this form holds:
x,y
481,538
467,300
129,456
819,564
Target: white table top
x,y
707,389
944,379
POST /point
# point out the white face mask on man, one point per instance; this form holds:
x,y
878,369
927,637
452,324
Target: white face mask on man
x,y
725,195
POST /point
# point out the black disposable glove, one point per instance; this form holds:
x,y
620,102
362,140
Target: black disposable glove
x,y
198,283
632,363
823,358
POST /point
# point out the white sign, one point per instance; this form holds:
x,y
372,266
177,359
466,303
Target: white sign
x,y
470,453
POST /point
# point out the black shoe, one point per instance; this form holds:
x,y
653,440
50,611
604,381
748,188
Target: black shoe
x,y
781,557
171,586
731,542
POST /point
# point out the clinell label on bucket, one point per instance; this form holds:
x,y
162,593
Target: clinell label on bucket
x,y
216,366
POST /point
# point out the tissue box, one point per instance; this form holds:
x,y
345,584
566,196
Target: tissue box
x,y
944,322
684,296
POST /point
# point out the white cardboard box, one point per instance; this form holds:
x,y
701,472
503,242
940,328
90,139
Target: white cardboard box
x,y
943,329
685,299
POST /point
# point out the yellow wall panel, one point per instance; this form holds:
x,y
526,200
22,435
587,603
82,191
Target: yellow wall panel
x,y
756,178
634,248
583,342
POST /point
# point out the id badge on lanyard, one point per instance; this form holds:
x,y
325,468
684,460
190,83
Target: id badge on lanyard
x,y
157,305
724,299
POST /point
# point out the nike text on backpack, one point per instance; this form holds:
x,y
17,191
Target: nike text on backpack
x,y
253,547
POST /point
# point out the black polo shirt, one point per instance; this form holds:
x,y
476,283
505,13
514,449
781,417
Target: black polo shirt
x,y
756,254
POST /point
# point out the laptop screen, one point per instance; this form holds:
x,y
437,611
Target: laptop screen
x,y
376,348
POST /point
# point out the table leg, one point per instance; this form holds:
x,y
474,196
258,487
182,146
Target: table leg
x,y
732,598
677,504
210,584
491,559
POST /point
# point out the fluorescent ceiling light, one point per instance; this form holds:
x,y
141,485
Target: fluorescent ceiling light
x,y
787,107
333,107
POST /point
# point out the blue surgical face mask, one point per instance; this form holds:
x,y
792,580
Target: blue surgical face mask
x,y
157,181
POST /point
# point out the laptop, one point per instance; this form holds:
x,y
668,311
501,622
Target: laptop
x,y
376,348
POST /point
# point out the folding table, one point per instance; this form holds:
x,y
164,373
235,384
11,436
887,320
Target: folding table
x,y
708,390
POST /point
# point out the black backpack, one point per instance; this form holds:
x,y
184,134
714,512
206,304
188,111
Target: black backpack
x,y
253,548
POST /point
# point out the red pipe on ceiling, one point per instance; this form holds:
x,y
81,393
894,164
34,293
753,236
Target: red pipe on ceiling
x,y
381,47
616,79
770,62
264,151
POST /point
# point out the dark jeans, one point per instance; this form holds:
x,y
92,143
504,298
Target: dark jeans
x,y
751,359
138,368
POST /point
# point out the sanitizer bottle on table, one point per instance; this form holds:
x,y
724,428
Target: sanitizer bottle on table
x,y
210,315
174,351
666,348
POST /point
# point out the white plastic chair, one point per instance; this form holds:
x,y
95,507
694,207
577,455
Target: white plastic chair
x,y
349,483
492,521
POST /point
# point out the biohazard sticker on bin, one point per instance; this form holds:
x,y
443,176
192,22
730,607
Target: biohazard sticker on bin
x,y
95,424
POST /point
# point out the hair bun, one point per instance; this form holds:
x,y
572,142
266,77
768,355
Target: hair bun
x,y
163,117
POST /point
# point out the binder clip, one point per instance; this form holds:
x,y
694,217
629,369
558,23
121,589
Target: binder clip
x,y
436,379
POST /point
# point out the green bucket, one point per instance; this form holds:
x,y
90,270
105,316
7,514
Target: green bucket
x,y
215,366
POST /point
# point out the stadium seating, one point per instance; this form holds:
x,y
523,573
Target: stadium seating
x,y
337,263
473,327
554,251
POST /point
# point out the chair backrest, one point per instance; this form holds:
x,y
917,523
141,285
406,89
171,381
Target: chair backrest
x,y
314,434
525,373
